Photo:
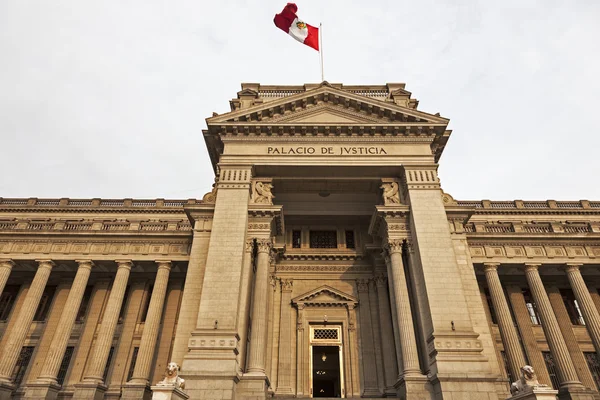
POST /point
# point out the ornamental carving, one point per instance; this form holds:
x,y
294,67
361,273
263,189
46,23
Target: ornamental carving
x,y
264,245
394,246
381,281
390,193
211,197
255,227
261,193
362,285
286,285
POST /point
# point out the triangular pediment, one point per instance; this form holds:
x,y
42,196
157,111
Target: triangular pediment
x,y
327,104
325,295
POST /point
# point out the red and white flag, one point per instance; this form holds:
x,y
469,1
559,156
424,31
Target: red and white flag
x,y
289,22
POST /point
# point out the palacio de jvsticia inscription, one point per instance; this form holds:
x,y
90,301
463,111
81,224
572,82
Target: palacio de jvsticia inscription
x,y
327,261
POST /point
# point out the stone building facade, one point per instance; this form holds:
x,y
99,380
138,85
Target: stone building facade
x,y
326,262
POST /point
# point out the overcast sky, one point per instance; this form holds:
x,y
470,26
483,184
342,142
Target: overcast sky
x,y
108,98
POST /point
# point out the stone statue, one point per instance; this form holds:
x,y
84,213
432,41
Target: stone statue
x,y
172,377
261,193
390,193
527,382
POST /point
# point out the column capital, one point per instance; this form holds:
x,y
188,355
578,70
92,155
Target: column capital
x,y
6,263
164,264
491,266
532,267
287,285
362,285
572,267
394,246
264,245
249,245
124,264
85,263
381,281
45,264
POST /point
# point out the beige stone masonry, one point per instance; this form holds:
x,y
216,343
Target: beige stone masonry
x,y
284,381
5,270
370,388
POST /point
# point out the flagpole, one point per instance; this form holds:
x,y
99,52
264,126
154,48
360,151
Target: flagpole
x,y
321,50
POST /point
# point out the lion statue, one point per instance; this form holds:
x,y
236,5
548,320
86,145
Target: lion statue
x,y
172,377
527,382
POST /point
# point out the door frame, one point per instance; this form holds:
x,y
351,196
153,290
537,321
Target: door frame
x,y
326,342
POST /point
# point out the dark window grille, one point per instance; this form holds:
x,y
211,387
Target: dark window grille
x,y
124,304
107,366
490,304
64,365
44,306
133,361
296,239
593,363
87,295
22,363
350,240
323,239
531,307
505,360
147,303
551,367
326,334
7,300
572,307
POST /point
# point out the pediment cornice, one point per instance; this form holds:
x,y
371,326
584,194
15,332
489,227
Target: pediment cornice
x,y
324,295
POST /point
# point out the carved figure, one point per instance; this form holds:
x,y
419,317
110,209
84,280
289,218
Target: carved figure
x,y
262,193
172,377
527,382
390,193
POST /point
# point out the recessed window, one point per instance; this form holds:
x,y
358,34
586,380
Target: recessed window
x,y
350,244
21,365
323,239
7,300
147,303
64,365
84,304
296,239
531,307
572,307
44,307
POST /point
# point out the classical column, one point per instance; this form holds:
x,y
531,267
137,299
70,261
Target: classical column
x,y
387,335
408,342
110,318
65,325
5,269
284,382
300,374
18,333
141,372
258,336
585,302
510,338
366,339
567,375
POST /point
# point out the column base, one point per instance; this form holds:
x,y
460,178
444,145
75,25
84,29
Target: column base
x,y
577,393
371,393
42,390
413,387
252,386
89,391
6,390
284,392
536,394
167,393
390,391
136,391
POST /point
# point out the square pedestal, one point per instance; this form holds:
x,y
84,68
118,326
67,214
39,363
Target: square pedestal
x,y
136,391
413,388
252,387
6,390
536,394
89,391
168,393
39,391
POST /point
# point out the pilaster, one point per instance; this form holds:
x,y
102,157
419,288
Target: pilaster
x,y
390,366
284,377
369,369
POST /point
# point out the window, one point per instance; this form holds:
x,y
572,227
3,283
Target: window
x,y
350,240
107,366
22,363
64,365
593,363
531,307
572,307
133,361
323,239
87,295
488,297
505,360
551,369
44,307
124,304
7,300
296,239
147,303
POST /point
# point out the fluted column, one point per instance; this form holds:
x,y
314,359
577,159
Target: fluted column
x,y
284,382
258,336
65,325
585,302
141,372
109,323
18,333
408,342
390,366
510,337
5,270
567,375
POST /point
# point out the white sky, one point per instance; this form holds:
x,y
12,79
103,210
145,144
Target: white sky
x,y
108,98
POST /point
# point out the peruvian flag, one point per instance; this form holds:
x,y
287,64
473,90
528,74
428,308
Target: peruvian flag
x,y
289,22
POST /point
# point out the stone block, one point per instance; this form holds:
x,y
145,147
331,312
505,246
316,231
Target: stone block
x,y
167,393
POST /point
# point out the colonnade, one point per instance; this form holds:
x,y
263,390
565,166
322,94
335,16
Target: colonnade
x,y
46,384
565,368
